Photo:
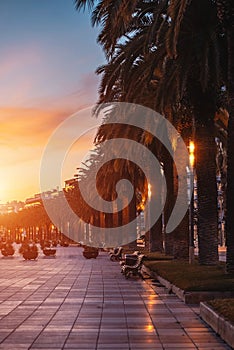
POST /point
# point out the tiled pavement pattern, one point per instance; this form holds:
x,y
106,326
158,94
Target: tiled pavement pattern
x,y
70,302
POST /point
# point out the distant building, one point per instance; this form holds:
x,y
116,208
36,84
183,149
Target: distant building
x,y
37,198
11,207
70,184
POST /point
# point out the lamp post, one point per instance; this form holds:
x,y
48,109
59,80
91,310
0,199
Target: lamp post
x,y
191,206
149,214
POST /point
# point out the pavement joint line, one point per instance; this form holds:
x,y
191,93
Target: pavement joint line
x,y
125,316
86,291
15,309
88,298
101,317
56,310
149,281
39,305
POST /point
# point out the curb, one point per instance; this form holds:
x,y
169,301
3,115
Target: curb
x,y
187,297
222,327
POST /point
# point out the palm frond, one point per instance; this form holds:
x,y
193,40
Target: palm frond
x,y
176,12
79,4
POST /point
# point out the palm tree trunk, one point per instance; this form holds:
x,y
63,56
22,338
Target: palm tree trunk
x,y
206,194
156,235
109,240
177,242
181,232
155,232
131,217
230,154
170,202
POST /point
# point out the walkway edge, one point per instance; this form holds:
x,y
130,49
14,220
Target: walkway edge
x,y
192,297
222,327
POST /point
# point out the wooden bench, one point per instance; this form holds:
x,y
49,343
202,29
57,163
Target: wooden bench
x,y
133,270
129,259
118,255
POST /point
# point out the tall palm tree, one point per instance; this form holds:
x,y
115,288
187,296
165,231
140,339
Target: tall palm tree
x,y
226,18
135,65
141,63
130,75
225,13
196,72
123,168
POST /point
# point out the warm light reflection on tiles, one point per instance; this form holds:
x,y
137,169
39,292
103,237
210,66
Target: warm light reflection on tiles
x,y
149,328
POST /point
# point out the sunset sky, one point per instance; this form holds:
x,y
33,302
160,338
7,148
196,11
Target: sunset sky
x,y
48,57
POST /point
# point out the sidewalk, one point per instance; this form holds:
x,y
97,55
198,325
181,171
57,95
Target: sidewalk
x,y
69,302
222,253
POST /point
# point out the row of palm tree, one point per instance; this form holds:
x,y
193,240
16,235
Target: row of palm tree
x,y
29,221
174,57
34,223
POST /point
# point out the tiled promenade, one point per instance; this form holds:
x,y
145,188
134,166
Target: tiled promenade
x,y
69,302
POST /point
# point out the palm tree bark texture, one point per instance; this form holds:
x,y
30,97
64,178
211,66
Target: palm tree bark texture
x,y
206,185
230,148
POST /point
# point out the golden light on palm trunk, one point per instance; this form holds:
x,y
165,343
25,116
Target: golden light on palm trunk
x,y
191,153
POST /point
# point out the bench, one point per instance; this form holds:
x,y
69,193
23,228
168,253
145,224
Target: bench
x,y
117,256
129,259
133,270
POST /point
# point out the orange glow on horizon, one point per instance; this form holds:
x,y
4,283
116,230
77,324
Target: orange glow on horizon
x,y
24,132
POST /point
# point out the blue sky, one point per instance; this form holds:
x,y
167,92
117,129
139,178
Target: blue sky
x,y
48,46
48,56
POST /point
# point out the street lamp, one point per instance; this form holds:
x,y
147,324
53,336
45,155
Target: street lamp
x,y
191,154
149,191
191,206
149,214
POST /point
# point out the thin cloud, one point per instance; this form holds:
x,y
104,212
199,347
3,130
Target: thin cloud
x,y
27,125
16,58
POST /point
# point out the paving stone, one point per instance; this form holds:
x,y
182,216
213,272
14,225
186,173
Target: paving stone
x,y
70,302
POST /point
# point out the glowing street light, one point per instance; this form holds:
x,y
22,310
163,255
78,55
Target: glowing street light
x,y
191,147
149,191
191,154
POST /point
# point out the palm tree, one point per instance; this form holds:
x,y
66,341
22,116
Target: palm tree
x,y
106,179
225,12
141,64
226,18
128,75
196,76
